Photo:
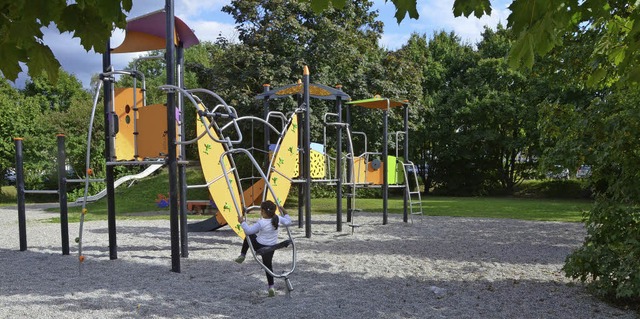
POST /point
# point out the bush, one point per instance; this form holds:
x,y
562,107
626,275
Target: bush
x,y
327,191
566,189
609,258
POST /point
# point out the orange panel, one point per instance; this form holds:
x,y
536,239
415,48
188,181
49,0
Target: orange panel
x,y
375,176
152,131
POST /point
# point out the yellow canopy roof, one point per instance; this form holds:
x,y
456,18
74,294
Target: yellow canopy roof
x,y
148,33
378,103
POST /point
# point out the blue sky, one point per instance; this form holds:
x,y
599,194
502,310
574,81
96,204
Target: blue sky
x,y
207,20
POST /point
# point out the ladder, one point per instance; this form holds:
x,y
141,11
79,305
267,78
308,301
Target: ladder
x,y
412,189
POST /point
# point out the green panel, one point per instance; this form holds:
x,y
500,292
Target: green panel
x,y
392,165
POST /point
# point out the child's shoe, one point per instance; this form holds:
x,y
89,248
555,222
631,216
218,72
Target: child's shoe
x,y
272,292
240,259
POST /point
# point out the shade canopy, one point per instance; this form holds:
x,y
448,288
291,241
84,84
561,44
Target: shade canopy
x,y
148,32
378,103
317,91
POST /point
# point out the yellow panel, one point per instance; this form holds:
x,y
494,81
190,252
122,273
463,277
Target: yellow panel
x,y
318,169
283,163
359,170
123,107
210,152
152,131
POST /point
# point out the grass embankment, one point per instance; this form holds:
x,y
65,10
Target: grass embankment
x,y
139,202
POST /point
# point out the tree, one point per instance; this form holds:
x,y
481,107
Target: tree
x,y
541,26
607,136
22,39
280,37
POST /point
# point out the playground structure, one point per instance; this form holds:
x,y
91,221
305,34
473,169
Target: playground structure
x,y
132,140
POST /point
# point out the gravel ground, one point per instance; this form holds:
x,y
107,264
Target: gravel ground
x,y
437,267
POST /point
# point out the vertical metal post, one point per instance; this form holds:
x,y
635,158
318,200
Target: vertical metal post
x,y
301,187
350,172
182,169
407,184
339,163
22,220
171,138
62,195
385,160
307,152
108,155
267,130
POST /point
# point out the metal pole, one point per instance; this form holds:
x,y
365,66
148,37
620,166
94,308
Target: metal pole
x,y
171,139
385,160
22,221
267,130
300,186
182,169
62,195
307,152
407,185
339,163
350,171
108,149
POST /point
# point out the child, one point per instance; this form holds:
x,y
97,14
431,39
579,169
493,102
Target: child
x,y
264,233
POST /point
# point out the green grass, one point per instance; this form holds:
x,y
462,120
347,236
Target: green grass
x,y
139,202
486,207
8,195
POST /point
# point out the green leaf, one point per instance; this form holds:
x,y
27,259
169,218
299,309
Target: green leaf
x,y
339,4
403,7
617,54
467,7
596,77
521,54
41,58
319,5
9,57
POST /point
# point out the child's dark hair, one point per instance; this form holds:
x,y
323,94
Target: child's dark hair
x,y
270,208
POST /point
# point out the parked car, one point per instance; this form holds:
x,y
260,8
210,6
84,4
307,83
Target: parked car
x,y
584,171
10,177
559,172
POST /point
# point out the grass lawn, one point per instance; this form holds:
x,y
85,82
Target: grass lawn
x,y
138,200
487,207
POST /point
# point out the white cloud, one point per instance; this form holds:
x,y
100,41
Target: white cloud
x,y
208,21
210,30
436,16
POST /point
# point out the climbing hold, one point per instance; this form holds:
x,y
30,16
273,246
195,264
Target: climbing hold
x,y
77,240
84,211
81,258
375,164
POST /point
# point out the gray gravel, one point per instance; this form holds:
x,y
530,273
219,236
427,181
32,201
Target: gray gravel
x,y
437,267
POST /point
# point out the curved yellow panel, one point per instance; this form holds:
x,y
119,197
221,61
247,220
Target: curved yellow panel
x,y
210,152
283,164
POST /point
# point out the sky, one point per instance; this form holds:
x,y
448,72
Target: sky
x,y
208,21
